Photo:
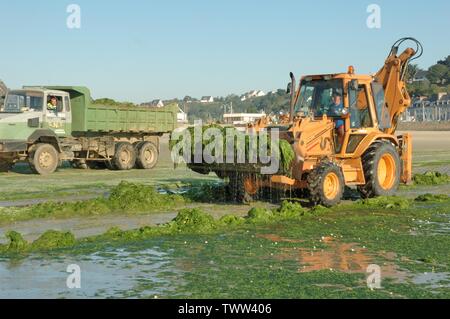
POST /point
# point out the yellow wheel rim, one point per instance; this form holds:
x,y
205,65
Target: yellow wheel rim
x,y
250,186
331,185
386,171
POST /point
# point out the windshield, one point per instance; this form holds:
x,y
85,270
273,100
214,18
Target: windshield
x,y
317,97
17,102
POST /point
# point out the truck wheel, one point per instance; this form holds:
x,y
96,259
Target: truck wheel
x,y
5,166
44,159
381,164
326,184
124,157
147,155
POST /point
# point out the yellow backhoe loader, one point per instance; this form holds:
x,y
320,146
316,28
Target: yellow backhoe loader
x,y
342,129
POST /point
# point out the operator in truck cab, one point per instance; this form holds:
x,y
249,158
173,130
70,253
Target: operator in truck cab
x,y
52,104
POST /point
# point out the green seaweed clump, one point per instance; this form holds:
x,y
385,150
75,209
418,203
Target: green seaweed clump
x,y
16,242
432,198
130,196
207,193
386,202
192,220
241,142
230,220
258,215
290,210
431,178
53,239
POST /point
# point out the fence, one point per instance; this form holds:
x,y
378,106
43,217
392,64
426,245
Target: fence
x,y
427,114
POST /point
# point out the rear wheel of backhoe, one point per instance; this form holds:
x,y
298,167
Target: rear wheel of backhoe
x,y
326,184
243,188
124,156
147,155
44,159
381,163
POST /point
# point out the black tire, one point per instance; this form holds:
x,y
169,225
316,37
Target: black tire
x,y
5,166
320,190
147,155
371,162
124,156
44,159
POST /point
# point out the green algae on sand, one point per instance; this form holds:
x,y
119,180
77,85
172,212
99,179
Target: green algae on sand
x,y
431,178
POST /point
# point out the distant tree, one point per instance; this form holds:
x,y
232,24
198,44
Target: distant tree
x,y
411,72
438,74
445,62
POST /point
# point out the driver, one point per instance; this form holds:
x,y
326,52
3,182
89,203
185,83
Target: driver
x,y
336,109
52,104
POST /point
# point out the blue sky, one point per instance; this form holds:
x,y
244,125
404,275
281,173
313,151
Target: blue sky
x,y
142,50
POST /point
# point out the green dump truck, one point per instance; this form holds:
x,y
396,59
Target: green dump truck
x,y
45,133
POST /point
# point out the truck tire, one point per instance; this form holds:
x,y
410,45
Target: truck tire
x,y
381,164
326,184
44,159
147,155
5,166
124,156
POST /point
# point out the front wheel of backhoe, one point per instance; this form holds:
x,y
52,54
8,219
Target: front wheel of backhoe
x,y
381,164
326,184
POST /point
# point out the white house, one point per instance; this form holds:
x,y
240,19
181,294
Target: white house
x,y
252,94
207,99
181,116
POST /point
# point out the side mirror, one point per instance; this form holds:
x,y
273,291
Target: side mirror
x,y
289,88
354,85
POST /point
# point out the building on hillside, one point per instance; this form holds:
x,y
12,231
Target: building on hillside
x,y
252,94
207,99
154,103
182,116
240,120
421,75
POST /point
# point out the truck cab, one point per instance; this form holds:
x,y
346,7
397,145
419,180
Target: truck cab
x,y
27,109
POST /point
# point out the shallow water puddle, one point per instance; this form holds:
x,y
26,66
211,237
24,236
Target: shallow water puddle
x,y
337,256
115,273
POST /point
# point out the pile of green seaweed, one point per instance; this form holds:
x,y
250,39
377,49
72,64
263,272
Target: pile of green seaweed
x,y
196,221
126,197
246,147
431,178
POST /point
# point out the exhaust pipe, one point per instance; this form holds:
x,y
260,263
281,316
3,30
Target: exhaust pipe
x,y
293,91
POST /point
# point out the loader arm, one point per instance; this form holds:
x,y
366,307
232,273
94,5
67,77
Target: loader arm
x,y
392,77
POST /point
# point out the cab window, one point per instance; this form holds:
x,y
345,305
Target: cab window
x,y
359,108
67,103
316,97
59,103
